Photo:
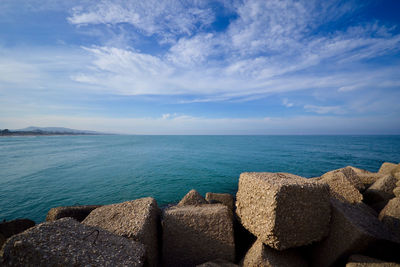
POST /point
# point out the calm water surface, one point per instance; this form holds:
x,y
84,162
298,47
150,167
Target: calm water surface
x,y
37,173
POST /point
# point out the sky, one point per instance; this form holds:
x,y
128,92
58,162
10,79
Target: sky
x,y
201,67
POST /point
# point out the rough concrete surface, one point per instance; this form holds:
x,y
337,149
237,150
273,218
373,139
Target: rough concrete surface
x,y
79,213
381,190
390,215
193,235
283,210
366,177
225,199
351,174
396,191
365,261
354,229
387,168
341,187
66,242
192,198
260,255
396,172
137,219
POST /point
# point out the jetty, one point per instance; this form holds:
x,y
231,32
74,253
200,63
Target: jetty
x,y
347,217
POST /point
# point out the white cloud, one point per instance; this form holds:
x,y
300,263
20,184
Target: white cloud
x,y
166,116
36,68
349,88
261,52
269,49
286,103
126,72
164,18
9,6
17,73
325,109
266,26
192,51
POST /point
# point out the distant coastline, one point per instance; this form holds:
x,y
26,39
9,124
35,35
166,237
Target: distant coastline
x,y
42,131
34,133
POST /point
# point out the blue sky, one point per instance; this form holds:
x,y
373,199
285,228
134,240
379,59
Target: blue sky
x,y
201,67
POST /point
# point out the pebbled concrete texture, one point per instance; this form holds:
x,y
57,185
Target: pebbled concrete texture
x,y
137,219
66,242
381,190
365,261
283,210
193,235
262,255
354,229
341,187
79,213
192,198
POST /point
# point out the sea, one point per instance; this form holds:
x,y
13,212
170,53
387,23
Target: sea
x,y
41,172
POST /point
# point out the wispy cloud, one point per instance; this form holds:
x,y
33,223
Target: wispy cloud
x,y
33,68
286,103
133,73
325,109
307,56
262,51
166,19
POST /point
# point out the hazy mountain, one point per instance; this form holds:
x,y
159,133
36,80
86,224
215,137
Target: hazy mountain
x,y
55,130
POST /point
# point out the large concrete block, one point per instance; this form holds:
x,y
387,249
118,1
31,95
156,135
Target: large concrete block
x,y
354,229
365,261
192,198
341,187
79,213
387,168
351,174
396,191
260,255
193,235
283,210
137,219
66,242
381,190
396,173
225,199
366,177
390,215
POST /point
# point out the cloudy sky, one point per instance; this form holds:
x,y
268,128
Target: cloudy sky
x,y
201,67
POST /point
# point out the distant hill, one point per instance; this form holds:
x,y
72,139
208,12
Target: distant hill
x,y
55,130
33,130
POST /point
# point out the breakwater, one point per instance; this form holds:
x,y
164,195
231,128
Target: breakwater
x,y
346,216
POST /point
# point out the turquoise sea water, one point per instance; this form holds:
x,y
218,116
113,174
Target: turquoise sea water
x,y
37,173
